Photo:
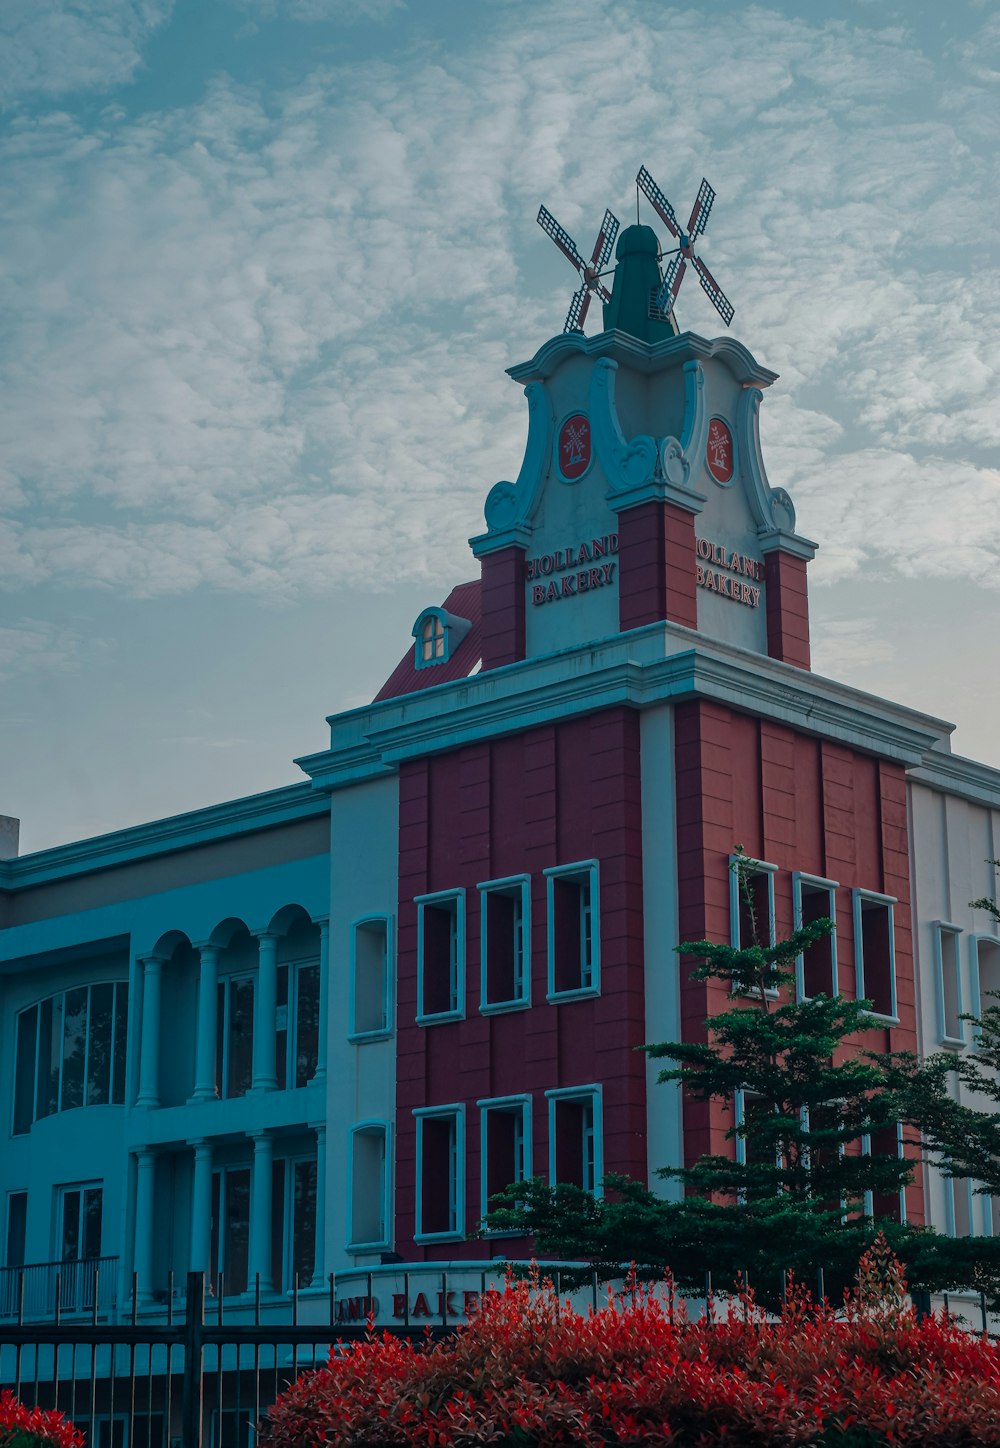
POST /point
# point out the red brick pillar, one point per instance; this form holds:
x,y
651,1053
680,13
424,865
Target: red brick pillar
x,y
502,601
656,566
787,608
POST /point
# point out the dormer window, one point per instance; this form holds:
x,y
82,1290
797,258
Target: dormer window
x,y
431,639
437,635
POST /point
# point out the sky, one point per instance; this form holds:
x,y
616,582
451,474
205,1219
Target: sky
x,y
262,266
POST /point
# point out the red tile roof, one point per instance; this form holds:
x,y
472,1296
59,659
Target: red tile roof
x,y
406,678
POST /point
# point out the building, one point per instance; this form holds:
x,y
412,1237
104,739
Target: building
x,y
312,1031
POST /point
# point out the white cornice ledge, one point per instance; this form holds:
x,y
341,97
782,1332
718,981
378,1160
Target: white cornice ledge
x,y
957,775
160,837
657,664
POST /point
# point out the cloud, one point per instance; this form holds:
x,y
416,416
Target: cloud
x,y
841,646
316,12
257,343
52,48
36,644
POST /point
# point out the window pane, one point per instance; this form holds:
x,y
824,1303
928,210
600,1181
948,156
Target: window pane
x,y
504,1148
70,1246
49,1051
440,957
439,1174
572,933
368,1187
306,1023
17,1221
950,985
24,1070
575,1143
99,1047
817,959
876,955
74,1048
278,1223
121,1043
91,1224
216,1247
304,1220
240,1037
236,1252
281,1027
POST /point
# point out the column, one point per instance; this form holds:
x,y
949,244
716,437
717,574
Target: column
x,y
145,1198
319,1263
201,1207
319,1075
260,1213
264,1010
149,1053
204,1070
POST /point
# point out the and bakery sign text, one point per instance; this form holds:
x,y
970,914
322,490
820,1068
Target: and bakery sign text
x,y
725,571
582,567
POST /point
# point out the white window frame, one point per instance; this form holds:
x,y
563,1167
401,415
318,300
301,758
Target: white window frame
x,y
455,1110
857,896
226,981
522,998
593,968
371,1127
509,1105
800,878
594,1093
940,929
291,1009
868,1206
457,1011
288,1215
951,1186
762,867
979,937
388,989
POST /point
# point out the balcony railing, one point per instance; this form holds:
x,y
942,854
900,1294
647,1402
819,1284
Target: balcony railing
x,y
56,1289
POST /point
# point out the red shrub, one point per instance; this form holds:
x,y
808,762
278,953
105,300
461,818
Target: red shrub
x,y
529,1369
22,1427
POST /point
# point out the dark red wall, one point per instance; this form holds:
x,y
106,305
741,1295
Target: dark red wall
x,y
548,796
502,604
787,602
801,804
656,566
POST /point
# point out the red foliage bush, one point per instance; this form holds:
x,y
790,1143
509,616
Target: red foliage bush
x,y
530,1370
22,1427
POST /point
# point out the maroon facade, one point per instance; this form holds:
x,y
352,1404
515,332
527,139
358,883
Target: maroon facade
x,y
787,599
801,804
502,602
545,797
656,566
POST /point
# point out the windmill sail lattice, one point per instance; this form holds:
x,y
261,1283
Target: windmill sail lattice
x,y
590,271
673,274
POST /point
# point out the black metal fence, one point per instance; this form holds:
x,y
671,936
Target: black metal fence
x,y
196,1379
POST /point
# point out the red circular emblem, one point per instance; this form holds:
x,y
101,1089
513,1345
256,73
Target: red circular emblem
x,y
719,452
574,447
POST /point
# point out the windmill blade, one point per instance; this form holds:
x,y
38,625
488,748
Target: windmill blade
x,y
657,201
716,295
561,237
671,284
602,291
700,210
578,308
605,241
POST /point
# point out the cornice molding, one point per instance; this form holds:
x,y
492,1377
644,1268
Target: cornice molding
x,y
954,774
657,664
648,357
160,837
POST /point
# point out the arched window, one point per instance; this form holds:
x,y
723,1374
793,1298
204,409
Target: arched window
x,y
432,639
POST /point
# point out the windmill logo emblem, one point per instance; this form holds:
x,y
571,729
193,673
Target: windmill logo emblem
x,y
574,447
719,451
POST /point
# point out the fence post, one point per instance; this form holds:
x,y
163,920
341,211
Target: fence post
x,y
194,1321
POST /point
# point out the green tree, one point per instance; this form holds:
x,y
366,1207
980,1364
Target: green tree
x,y
815,1172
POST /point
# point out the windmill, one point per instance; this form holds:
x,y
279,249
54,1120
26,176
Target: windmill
x,y
673,273
591,272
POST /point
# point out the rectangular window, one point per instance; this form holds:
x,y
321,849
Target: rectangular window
x,y
17,1223
888,1141
875,951
948,963
505,1144
234,1035
293,1222
297,1023
441,956
985,973
440,1194
230,1229
958,1206
576,1149
574,932
369,1185
816,968
505,938
751,903
25,1053
371,978
79,1222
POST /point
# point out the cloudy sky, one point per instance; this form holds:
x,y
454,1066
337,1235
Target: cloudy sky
x,y
263,262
